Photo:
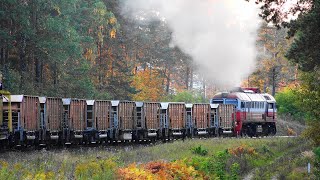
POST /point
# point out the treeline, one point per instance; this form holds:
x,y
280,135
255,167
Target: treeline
x,y
303,99
87,49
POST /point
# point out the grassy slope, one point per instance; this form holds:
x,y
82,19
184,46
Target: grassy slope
x,y
273,154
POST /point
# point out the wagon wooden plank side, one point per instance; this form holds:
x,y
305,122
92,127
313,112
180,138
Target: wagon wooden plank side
x,y
54,113
29,113
226,117
126,115
201,115
151,115
177,115
102,117
77,114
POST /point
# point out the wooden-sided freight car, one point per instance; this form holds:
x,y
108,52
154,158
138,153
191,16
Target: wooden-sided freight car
x,y
25,124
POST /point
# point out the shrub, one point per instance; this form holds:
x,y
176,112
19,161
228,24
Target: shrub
x,y
288,104
102,169
199,150
159,170
235,171
241,150
317,161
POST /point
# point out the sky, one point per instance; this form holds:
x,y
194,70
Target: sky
x,y
219,35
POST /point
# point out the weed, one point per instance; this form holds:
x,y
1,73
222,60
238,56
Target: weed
x,y
159,170
317,161
235,171
99,169
199,150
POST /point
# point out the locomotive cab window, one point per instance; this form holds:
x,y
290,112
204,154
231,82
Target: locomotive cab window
x,y
242,104
270,106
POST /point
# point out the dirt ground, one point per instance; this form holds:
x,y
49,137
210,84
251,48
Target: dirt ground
x,y
286,127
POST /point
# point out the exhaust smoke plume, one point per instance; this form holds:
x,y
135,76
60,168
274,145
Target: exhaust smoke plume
x,y
219,35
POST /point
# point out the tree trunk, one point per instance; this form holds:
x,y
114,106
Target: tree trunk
x,y
187,78
37,62
296,74
2,63
100,67
273,81
23,64
38,71
55,74
2,56
168,83
204,88
191,78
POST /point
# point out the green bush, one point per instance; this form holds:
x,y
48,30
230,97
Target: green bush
x,y
317,161
288,104
235,171
199,150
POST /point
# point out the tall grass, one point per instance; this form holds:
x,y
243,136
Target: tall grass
x,y
241,156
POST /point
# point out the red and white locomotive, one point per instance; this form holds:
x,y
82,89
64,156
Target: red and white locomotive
x,y
256,112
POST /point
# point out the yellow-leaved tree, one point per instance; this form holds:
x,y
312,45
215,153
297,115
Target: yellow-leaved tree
x,y
148,83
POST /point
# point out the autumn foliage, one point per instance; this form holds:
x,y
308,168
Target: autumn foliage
x,y
159,170
242,150
148,84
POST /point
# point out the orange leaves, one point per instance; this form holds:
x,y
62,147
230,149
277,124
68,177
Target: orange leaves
x,y
241,150
113,33
159,170
149,86
88,55
113,20
133,172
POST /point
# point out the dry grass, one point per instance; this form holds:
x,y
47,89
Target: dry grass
x,y
64,162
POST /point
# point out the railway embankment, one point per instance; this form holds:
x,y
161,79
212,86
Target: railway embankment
x,y
193,158
288,127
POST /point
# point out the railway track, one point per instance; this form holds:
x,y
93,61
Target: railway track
x,y
121,144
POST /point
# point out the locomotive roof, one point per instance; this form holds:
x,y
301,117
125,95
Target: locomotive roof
x,y
246,96
234,95
256,97
269,98
243,96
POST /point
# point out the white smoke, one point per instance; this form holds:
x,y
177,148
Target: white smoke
x,y
219,35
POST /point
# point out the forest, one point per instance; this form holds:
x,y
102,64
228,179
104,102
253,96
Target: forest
x,y
92,50
95,50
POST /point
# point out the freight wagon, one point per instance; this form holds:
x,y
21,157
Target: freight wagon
x,y
204,118
74,120
53,116
102,119
177,119
226,115
25,124
122,115
151,117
